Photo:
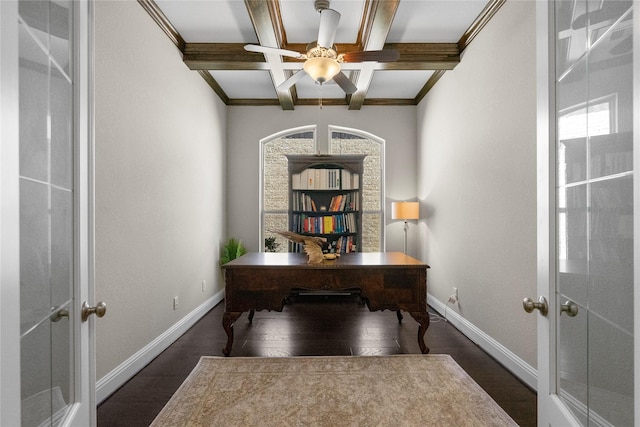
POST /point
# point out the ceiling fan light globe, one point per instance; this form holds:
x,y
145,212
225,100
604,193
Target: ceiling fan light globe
x,y
321,69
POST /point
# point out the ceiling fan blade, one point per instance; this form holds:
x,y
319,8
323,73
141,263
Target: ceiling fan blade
x,y
344,82
329,20
291,80
386,55
272,50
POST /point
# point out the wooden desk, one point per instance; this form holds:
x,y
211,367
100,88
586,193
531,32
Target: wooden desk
x,y
387,281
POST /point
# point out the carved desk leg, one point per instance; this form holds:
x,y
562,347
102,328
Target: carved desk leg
x,y
251,314
228,318
423,319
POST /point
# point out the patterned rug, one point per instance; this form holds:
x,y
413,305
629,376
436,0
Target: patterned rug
x,y
404,390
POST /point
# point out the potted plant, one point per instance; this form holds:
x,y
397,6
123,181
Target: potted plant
x,y
232,249
270,244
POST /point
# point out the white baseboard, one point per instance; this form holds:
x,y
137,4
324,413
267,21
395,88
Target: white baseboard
x,y
508,359
111,382
108,384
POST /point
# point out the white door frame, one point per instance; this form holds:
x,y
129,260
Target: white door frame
x,y
551,411
636,207
9,218
85,380
83,412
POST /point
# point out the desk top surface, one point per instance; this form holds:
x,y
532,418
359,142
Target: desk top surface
x,y
351,260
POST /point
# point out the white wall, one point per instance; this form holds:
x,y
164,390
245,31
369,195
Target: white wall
x,y
159,183
161,179
248,125
477,179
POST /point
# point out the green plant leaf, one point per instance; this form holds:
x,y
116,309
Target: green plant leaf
x,y
232,249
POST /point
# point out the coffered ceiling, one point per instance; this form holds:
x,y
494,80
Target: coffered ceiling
x,y
429,35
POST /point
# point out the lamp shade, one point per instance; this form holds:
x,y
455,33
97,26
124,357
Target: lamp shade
x,y
405,210
321,69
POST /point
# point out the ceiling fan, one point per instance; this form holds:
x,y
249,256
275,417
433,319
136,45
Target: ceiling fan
x,y
322,61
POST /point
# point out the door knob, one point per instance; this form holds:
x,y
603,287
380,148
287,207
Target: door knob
x,y
58,313
99,310
569,307
529,305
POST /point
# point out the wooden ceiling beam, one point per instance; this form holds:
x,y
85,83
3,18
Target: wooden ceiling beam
x,y
376,22
222,56
232,56
423,56
430,83
267,22
374,29
213,84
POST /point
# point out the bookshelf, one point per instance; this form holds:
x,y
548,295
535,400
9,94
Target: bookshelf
x,y
325,199
596,211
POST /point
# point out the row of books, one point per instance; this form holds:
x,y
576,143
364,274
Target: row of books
x,y
343,245
325,179
338,203
327,224
344,202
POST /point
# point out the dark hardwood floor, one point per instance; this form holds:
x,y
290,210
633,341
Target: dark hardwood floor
x,y
328,325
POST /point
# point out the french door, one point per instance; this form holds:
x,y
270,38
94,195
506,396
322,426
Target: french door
x,y
45,162
587,106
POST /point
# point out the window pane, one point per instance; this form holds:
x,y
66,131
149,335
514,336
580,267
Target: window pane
x,y
596,121
276,182
344,143
371,185
371,232
274,221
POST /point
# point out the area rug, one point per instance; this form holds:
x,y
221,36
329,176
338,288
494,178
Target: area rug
x,y
403,390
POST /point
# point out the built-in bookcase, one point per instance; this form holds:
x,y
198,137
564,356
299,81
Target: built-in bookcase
x,y
325,200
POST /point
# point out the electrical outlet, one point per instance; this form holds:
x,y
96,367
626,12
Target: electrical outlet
x,y
175,303
204,285
454,296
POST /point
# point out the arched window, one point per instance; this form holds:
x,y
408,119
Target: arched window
x,y
275,180
352,141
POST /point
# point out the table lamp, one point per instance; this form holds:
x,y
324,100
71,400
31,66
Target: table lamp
x,y
405,211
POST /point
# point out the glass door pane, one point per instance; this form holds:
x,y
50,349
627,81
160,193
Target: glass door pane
x,y
595,210
46,211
